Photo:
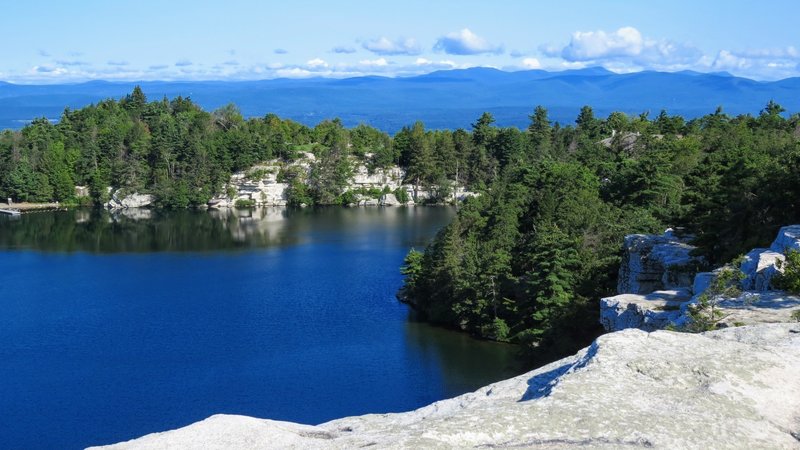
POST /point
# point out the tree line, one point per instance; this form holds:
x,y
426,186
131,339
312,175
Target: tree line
x,y
184,155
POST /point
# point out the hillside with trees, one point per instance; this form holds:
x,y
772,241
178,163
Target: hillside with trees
x,y
528,261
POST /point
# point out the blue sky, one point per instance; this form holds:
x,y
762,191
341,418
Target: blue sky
x,y
68,41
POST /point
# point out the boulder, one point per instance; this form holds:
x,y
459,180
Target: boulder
x,y
651,263
702,281
389,200
650,312
733,388
759,266
135,200
788,239
81,191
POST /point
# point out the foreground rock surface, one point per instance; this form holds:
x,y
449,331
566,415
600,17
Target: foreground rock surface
x,y
733,388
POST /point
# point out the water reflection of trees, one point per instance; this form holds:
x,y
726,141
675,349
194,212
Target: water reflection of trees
x,y
464,363
141,230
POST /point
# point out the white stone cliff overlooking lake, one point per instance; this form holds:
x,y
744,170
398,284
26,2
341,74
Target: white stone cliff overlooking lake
x,y
657,284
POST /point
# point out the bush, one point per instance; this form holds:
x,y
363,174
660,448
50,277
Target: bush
x,y
347,198
297,193
705,315
402,195
789,280
243,203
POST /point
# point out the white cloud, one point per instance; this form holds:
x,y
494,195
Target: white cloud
x,y
317,62
465,42
590,45
761,63
442,64
531,63
50,70
380,62
626,49
386,46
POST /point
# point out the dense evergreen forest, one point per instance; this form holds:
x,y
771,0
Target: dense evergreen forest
x,y
525,261
528,261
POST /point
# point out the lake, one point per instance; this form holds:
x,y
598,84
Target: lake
x,y
113,326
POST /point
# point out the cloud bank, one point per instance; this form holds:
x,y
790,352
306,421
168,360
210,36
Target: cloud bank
x,y
389,47
465,42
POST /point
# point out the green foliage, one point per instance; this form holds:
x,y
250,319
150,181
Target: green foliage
x,y
789,280
298,194
541,244
706,314
245,203
402,195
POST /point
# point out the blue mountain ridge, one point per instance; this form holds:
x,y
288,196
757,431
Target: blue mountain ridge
x,y
442,99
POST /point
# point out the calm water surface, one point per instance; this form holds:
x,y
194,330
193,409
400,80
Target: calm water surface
x,y
114,326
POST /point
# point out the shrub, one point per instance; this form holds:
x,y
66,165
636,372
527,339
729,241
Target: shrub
x,y
789,280
347,198
297,193
243,203
706,314
402,195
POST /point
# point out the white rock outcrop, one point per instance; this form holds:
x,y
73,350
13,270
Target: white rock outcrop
x,y
759,266
134,200
788,239
259,185
650,312
757,304
733,388
651,262
749,308
389,200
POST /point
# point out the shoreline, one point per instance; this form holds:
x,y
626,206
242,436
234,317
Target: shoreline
x,y
24,207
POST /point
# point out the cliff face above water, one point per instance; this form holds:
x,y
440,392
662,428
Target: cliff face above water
x,y
733,388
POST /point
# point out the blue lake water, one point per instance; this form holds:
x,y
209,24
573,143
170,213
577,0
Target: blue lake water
x,y
115,326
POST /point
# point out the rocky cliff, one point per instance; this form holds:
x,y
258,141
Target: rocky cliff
x,y
733,388
261,185
656,287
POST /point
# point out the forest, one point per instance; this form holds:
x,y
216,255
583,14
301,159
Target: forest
x,y
525,261
184,155
528,261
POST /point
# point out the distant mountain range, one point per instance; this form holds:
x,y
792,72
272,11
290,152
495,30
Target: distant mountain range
x,y
443,99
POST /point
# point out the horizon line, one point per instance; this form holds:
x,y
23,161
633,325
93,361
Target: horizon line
x,y
382,76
